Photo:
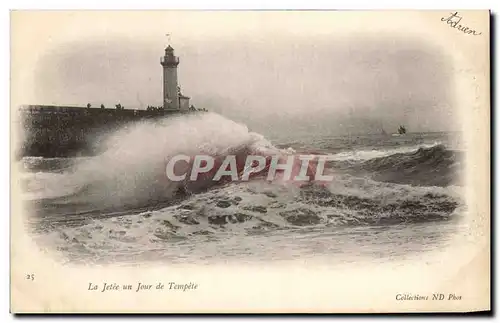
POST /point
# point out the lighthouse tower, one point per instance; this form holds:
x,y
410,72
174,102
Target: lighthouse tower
x,y
170,86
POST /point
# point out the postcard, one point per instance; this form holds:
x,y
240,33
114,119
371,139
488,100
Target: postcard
x,y
250,161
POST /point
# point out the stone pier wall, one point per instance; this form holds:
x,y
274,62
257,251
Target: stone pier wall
x,y
56,131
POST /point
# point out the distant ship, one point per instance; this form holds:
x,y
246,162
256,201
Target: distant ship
x,y
382,130
401,131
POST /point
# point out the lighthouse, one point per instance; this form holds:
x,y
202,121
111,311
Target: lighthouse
x,y
170,84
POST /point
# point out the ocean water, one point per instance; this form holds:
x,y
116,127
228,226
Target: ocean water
x,y
391,198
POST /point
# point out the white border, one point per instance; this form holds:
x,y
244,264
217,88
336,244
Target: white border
x,y
249,4
183,4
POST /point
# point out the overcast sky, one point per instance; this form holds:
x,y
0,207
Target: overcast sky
x,y
334,85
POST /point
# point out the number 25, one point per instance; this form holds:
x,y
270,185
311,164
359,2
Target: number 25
x,y
30,276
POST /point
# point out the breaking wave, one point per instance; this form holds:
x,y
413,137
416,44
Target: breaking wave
x,y
131,171
363,155
121,200
431,166
260,208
